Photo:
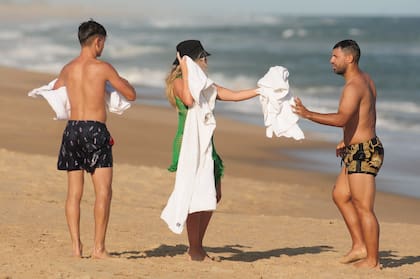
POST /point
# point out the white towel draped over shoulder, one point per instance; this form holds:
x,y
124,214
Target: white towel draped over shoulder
x,y
276,101
59,101
194,188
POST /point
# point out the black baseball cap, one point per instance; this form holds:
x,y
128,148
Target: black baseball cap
x,y
192,48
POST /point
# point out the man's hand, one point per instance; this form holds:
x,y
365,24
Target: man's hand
x,y
340,150
299,108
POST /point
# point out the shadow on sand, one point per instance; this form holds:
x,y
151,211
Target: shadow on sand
x,y
237,251
389,259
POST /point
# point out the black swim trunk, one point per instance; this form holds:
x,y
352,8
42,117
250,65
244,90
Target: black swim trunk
x,y
86,145
366,157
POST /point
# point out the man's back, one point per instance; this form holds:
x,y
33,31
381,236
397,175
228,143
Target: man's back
x,y
361,126
85,79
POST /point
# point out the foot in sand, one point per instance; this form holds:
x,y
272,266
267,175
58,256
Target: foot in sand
x,y
196,255
202,258
353,255
100,254
366,263
201,255
77,250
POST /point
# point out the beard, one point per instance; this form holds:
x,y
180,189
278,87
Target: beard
x,y
339,70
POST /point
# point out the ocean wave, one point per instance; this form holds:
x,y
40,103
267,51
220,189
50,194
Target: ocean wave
x,y
47,25
318,91
394,125
125,50
145,76
10,35
355,32
47,67
244,47
234,82
215,21
398,107
156,78
45,51
291,32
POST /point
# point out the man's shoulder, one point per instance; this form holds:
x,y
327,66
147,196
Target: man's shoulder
x,y
102,63
360,81
103,66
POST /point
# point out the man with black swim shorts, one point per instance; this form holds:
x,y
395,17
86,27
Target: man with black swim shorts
x,y
361,151
87,143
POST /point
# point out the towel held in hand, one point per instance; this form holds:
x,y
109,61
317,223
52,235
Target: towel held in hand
x,y
59,101
276,101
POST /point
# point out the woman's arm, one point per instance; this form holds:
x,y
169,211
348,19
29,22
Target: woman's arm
x,y
181,86
225,94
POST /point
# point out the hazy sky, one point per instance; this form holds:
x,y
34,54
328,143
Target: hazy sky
x,y
254,7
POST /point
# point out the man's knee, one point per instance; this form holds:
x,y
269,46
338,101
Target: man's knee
x,y
104,194
339,196
362,208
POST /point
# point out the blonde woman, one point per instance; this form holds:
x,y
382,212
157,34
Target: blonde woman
x,y
179,95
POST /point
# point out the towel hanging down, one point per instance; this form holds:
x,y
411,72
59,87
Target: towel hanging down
x,y
194,188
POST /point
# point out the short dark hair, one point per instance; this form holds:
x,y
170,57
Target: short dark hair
x,y
89,29
349,46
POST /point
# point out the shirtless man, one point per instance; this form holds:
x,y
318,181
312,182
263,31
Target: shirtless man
x,y
361,151
86,143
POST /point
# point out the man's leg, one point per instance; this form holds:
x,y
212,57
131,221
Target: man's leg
x,y
102,181
343,200
363,188
75,181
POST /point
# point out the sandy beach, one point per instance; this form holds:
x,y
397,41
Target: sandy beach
x,y
273,221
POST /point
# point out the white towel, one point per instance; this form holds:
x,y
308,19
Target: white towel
x,y
276,101
116,102
194,188
59,102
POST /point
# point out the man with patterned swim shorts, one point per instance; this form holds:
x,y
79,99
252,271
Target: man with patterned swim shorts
x,y
365,157
87,144
361,151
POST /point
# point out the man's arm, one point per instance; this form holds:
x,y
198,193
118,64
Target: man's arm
x,y
60,79
120,84
348,106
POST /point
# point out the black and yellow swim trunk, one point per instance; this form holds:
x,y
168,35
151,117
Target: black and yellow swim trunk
x,y
366,157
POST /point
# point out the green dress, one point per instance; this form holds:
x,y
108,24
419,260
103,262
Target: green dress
x,y
176,147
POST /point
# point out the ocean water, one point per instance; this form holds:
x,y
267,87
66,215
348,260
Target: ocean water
x,y
242,51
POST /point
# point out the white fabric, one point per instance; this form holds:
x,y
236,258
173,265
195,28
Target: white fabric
x,y
59,102
194,188
276,101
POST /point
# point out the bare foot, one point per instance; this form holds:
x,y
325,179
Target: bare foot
x,y
78,250
100,255
373,264
196,256
200,257
353,255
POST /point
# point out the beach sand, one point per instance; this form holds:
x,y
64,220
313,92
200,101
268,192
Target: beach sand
x,y
273,221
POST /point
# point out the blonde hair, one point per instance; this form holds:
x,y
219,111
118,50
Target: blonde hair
x,y
169,90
